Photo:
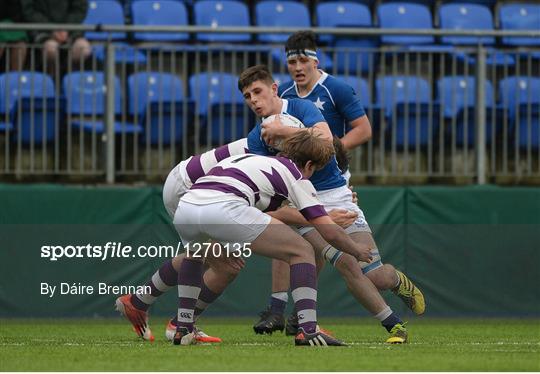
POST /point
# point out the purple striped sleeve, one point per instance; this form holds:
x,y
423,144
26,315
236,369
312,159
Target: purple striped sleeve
x,y
222,152
194,168
313,211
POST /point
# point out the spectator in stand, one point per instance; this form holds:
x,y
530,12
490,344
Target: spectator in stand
x,y
12,43
58,12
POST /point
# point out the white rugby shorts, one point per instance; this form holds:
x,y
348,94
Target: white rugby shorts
x,y
173,189
230,221
340,198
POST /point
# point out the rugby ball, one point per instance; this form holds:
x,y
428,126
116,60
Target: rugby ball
x,y
286,120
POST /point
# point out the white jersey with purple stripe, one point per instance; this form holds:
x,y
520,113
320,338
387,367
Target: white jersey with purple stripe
x,y
197,166
261,181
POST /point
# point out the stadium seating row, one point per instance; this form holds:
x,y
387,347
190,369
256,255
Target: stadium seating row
x,y
370,3
270,13
161,111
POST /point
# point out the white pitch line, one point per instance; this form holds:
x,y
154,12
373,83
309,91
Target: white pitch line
x,y
370,345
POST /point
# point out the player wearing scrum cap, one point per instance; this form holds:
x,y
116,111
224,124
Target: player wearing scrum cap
x,y
347,120
227,205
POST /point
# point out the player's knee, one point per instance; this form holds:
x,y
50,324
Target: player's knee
x,y
224,268
389,269
383,277
177,261
301,252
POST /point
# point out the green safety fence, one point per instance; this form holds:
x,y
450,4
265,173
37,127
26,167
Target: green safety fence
x,y
474,251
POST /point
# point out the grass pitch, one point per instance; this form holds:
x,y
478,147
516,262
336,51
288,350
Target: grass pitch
x,y
110,345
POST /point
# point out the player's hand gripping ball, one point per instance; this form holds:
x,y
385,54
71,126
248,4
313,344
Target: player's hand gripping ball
x,y
268,128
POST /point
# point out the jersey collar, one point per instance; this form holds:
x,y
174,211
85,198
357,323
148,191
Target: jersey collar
x,y
285,106
323,77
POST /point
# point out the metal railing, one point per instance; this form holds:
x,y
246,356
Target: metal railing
x,y
110,118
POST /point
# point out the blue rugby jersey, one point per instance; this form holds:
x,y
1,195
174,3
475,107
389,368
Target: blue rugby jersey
x,y
336,100
328,177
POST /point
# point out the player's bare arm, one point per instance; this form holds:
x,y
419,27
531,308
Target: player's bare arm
x,y
292,216
359,134
336,236
323,129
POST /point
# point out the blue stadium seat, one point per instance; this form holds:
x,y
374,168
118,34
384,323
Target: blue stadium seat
x,y
363,91
274,13
465,16
85,102
281,78
520,96
488,3
520,16
369,3
29,100
217,96
109,12
427,3
157,103
159,12
360,86
457,97
351,54
213,88
342,13
405,101
401,15
104,12
354,55
5,126
392,90
123,53
216,13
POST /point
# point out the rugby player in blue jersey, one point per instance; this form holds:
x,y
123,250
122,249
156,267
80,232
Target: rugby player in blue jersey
x,y
347,120
260,94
